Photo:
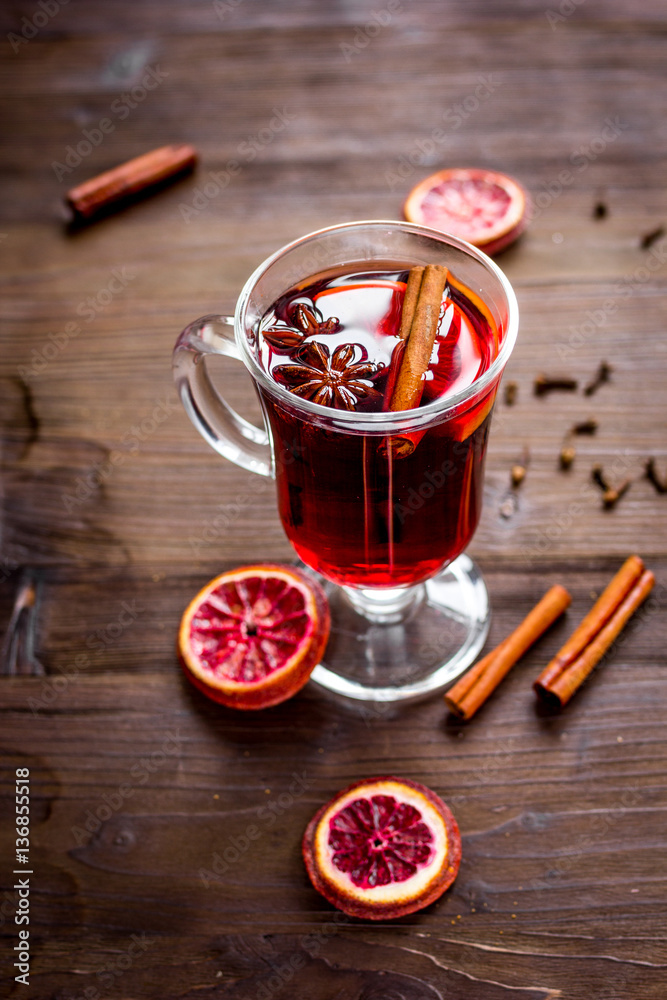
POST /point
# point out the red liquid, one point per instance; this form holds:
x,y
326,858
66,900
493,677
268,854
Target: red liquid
x,y
352,508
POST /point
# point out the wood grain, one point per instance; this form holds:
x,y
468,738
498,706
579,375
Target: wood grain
x,y
146,879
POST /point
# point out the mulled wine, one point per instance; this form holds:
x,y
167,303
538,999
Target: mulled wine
x,y
363,507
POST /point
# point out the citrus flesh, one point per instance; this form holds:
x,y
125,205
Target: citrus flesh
x,y
252,636
483,207
382,848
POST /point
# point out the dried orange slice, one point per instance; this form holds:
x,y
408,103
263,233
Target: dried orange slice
x,y
382,848
252,637
484,207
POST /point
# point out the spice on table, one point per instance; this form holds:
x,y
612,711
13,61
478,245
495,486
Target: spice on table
x,y
600,210
130,178
586,427
544,384
568,451
511,392
508,506
518,474
597,475
471,691
651,474
593,637
648,239
602,375
611,496
567,456
518,471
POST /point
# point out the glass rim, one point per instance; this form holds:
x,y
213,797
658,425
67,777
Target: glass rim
x,y
384,418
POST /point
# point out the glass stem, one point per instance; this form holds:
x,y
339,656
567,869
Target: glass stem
x,y
385,606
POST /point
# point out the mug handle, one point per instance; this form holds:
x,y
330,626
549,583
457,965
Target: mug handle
x,y
232,437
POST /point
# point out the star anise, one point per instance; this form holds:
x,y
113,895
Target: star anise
x,y
335,380
306,322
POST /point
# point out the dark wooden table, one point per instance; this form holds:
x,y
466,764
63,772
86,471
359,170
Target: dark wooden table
x,y
139,785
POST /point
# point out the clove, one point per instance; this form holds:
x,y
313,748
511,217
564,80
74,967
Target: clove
x,y
518,475
589,426
612,496
544,384
597,476
518,470
508,506
568,451
651,474
511,392
600,210
567,456
601,376
648,239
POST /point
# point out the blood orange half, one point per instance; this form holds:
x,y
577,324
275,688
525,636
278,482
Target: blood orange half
x,y
484,207
382,848
252,637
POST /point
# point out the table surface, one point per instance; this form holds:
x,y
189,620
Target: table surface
x,y
112,502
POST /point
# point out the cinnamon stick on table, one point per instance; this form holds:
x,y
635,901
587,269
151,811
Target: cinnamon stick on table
x,y
472,690
598,630
129,179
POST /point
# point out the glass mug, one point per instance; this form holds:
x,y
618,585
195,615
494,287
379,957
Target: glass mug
x,y
385,534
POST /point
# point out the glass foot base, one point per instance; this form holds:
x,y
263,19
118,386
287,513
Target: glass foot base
x,y
430,636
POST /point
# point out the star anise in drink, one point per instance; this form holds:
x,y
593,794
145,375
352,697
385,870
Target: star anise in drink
x,y
306,321
335,380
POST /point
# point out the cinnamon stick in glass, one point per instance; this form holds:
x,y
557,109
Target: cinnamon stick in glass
x,y
129,178
417,332
421,338
471,691
412,289
591,640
